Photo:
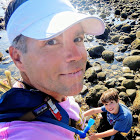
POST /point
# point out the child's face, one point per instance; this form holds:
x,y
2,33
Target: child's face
x,y
112,106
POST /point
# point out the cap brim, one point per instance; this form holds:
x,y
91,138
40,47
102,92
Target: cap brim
x,y
53,25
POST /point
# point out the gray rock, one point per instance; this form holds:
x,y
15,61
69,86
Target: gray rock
x,y
131,93
122,48
101,76
108,55
125,39
110,83
126,28
115,38
90,74
133,62
126,70
96,51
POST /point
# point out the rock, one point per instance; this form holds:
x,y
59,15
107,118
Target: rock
x,y
105,34
115,38
121,88
138,34
135,52
89,38
123,96
128,83
136,44
120,79
101,76
137,81
135,15
131,93
84,90
124,15
119,58
133,62
96,51
78,99
97,67
117,12
123,48
108,55
129,75
136,103
90,74
125,39
126,70
118,27
110,83
126,28
95,94
1,55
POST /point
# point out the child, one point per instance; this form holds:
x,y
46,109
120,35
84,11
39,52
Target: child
x,y
118,115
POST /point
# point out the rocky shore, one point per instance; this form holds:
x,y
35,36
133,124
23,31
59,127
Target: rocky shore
x,y
114,57
122,33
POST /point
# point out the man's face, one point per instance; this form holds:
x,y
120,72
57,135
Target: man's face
x,y
57,66
112,106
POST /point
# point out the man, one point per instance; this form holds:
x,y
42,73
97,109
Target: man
x,y
47,47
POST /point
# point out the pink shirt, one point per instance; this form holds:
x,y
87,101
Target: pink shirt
x,y
36,130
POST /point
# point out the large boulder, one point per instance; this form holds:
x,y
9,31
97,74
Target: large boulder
x,y
133,62
90,74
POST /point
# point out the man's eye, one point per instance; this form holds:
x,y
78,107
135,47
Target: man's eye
x,y
51,42
78,39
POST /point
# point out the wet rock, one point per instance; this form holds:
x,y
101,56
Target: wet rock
x,y
1,55
121,88
101,76
128,83
126,28
131,93
135,52
96,51
97,67
108,55
136,44
105,34
124,15
133,62
119,58
90,74
129,76
136,103
118,27
115,38
117,12
125,39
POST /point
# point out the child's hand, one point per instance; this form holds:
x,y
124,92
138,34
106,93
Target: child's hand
x,y
92,137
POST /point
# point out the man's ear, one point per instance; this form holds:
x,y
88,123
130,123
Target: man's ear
x,y
16,55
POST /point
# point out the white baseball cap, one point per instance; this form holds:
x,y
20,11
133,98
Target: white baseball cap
x,y
46,19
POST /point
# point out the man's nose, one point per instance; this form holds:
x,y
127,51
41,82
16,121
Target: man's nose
x,y
74,52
